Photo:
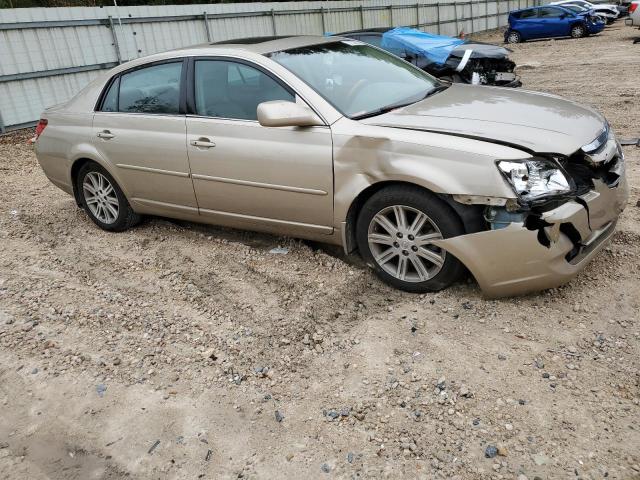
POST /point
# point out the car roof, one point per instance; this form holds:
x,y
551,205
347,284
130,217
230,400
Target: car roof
x,y
240,47
538,7
259,45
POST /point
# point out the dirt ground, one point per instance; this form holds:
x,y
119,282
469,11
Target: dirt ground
x,y
183,351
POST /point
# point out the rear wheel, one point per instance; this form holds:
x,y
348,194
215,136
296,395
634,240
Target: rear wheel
x,y
103,200
578,31
514,37
395,232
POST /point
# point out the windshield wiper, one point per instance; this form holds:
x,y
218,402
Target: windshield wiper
x,y
393,106
437,89
380,111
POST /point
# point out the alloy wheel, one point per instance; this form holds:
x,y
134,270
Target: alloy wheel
x,y
513,37
401,241
100,197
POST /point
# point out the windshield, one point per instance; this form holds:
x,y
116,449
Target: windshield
x,y
574,8
357,79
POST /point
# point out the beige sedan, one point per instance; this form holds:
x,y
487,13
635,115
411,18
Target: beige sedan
x,y
334,140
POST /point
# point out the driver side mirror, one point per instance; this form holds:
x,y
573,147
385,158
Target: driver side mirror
x,y
282,113
563,16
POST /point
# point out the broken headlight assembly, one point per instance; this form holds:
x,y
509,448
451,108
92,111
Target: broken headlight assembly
x,y
535,178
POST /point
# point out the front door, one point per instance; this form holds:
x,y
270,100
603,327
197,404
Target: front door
x,y
140,130
272,178
554,20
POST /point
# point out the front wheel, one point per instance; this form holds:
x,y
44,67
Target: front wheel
x,y
103,200
578,31
395,232
514,37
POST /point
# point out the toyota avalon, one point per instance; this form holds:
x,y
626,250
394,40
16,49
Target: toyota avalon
x,y
335,140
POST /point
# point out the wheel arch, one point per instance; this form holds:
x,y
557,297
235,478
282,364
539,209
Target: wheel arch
x,y
470,215
513,30
577,22
84,158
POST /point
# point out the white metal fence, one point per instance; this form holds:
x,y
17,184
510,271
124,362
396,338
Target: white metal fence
x,y
48,54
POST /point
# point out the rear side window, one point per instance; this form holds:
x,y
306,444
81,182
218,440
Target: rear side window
x,y
527,14
154,89
110,102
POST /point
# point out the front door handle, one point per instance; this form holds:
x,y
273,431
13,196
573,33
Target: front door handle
x,y
106,134
203,142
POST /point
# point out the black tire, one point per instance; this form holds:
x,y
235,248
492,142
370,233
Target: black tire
x,y
439,214
514,37
125,218
578,31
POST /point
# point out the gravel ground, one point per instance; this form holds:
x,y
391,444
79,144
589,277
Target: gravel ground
x,y
182,351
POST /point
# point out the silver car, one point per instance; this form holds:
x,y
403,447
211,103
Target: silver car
x,y
337,141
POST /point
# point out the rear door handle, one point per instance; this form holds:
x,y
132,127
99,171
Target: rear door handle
x,y
203,143
106,134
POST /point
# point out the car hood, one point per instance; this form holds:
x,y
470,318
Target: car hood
x,y
534,121
480,50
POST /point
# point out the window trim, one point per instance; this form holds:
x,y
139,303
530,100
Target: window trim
x,y
191,85
182,100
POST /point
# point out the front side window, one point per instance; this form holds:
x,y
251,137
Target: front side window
x,y
234,90
357,79
154,89
375,40
550,13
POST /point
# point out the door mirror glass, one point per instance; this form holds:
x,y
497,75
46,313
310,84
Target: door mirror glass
x,y
281,113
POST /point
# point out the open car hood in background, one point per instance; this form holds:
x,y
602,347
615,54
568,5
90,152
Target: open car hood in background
x,y
436,48
480,50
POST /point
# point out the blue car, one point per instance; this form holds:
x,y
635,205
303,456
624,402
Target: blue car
x,y
550,21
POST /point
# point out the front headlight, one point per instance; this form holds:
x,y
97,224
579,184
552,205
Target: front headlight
x,y
535,178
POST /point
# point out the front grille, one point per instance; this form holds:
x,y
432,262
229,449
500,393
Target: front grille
x,y
584,173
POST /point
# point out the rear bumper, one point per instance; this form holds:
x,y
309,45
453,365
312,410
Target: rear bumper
x,y
631,23
512,261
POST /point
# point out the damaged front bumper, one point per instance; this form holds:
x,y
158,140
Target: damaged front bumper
x,y
522,258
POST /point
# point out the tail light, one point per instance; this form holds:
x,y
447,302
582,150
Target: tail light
x,y
42,124
633,6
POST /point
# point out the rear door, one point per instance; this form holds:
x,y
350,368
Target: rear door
x,y
140,129
527,24
248,175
